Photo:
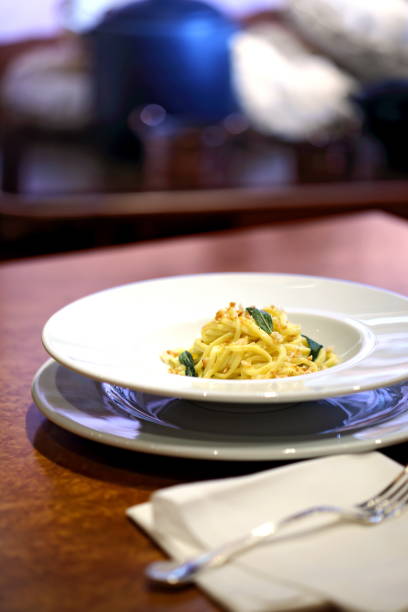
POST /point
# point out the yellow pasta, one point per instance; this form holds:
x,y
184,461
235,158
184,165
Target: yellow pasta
x,y
247,343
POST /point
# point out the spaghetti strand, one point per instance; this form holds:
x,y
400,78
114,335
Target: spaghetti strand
x,y
234,346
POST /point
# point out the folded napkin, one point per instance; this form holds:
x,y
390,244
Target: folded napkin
x,y
356,567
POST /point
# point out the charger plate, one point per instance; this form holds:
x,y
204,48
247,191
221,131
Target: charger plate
x,y
220,431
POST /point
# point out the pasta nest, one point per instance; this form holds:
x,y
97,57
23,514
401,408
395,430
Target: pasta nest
x,y
247,343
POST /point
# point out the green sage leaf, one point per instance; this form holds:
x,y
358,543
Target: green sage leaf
x,y
313,346
186,359
262,318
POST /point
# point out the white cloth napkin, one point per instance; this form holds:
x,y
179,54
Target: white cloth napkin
x,y
356,567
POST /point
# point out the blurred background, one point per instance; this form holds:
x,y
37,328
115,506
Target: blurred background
x,y
124,121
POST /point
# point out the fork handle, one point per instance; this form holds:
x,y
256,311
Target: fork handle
x,y
220,555
173,573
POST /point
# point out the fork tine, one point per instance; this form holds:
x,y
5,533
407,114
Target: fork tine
x,y
402,492
396,506
394,494
392,489
398,495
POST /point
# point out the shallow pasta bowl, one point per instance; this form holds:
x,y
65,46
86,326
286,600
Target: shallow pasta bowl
x,y
118,335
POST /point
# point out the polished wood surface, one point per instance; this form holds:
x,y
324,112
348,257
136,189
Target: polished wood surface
x,y
65,542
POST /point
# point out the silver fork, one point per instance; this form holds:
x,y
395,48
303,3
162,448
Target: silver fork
x,y
388,502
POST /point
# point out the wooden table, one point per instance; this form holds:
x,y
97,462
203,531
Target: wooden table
x,y
65,542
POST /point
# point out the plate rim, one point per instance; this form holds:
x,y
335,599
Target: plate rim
x,y
153,444
186,390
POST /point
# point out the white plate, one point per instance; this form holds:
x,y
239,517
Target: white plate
x,y
118,335
204,430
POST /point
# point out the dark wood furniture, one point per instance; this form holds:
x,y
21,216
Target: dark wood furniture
x,y
66,544
190,178
33,225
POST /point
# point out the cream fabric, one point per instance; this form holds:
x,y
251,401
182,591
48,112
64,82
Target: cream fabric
x,y
362,568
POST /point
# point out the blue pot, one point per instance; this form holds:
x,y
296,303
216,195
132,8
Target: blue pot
x,y
174,53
